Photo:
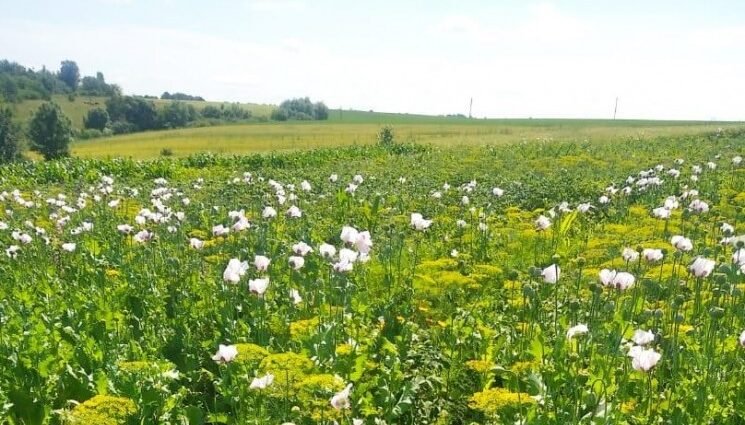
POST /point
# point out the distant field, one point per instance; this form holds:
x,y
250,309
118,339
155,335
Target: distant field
x,y
361,128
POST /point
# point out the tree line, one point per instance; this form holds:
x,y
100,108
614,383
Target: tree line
x,y
50,132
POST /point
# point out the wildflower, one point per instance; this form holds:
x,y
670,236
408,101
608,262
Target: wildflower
x,y
220,230
349,234
262,383
580,329
742,339
258,286
294,212
348,255
642,337
698,206
261,263
269,212
295,295
341,399
661,212
643,360
702,267
363,242
604,199
241,225
234,271
681,243
351,188
327,250
225,354
196,243
727,228
629,254
437,194
305,186
618,280
454,253
461,224
497,192
358,179
333,178
419,223
551,273
651,255
542,223
12,251
736,160
301,248
143,236
584,207
296,262
343,266
464,200
738,257
69,247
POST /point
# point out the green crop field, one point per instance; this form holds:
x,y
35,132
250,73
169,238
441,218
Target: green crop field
x,y
548,282
357,128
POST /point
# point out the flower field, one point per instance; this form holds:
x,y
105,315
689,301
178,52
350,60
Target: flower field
x,y
526,283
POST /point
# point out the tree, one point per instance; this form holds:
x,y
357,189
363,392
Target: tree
x,y
96,118
177,114
69,74
138,112
300,109
10,143
50,132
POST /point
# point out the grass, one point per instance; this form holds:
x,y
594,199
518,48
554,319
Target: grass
x,y
355,128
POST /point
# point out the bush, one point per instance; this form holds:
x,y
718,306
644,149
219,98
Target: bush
x,y
90,133
97,118
386,137
10,142
122,127
51,132
166,152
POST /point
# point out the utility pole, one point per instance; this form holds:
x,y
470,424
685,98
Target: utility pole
x,y
470,108
615,109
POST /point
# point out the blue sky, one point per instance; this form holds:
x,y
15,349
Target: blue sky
x,y
663,59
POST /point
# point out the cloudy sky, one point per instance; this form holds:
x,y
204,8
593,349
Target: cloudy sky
x,y
663,59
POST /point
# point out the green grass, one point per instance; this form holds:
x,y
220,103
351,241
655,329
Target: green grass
x,y
361,128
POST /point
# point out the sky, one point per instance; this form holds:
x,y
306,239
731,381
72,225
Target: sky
x,y
563,59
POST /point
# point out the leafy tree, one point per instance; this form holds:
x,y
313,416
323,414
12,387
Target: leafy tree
x,y
50,132
180,96
138,112
10,142
96,86
69,73
96,118
210,111
177,114
300,109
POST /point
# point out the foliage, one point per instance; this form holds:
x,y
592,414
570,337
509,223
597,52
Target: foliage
x,y
50,132
180,96
10,141
69,73
450,324
300,109
97,118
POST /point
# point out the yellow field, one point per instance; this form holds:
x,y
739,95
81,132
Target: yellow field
x,y
248,138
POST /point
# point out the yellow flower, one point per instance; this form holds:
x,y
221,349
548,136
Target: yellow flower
x,y
103,410
480,366
493,400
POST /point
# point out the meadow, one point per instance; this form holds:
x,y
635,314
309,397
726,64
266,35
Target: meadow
x,y
360,128
525,282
